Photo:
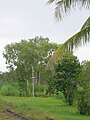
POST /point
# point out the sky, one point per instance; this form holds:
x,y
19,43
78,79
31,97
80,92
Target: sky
x,y
25,19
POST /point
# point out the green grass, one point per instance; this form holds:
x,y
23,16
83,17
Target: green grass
x,y
41,108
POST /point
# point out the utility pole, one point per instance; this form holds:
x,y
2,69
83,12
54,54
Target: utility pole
x,y
33,79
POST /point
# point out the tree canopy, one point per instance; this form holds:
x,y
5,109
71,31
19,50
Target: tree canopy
x,y
33,52
65,78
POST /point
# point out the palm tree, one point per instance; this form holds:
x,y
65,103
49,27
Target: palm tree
x,y
65,6
81,37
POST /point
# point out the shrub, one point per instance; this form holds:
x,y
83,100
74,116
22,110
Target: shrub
x,y
9,89
40,90
84,101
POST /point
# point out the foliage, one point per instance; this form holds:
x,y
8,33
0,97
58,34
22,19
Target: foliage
x,y
40,90
20,57
9,89
8,76
66,76
80,38
84,101
84,89
13,88
65,6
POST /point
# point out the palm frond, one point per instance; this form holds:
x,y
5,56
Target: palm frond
x,y
79,39
64,6
87,22
50,1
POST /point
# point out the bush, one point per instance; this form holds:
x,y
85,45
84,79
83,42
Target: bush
x,y
60,96
9,89
14,89
84,102
40,90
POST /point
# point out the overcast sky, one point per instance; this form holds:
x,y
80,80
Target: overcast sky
x,y
24,19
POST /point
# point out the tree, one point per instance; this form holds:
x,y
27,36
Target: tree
x,y
33,52
66,76
84,74
8,76
81,37
23,55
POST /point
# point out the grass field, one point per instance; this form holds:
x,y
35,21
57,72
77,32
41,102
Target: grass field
x,y
41,108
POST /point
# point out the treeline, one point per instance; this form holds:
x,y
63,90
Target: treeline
x,y
29,59
21,57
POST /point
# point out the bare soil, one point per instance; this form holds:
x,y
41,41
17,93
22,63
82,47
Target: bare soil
x,y
7,116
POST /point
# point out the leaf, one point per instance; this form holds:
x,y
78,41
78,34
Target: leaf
x,y
80,38
63,7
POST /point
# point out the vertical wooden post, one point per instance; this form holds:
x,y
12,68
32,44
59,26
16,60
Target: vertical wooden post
x,y
33,78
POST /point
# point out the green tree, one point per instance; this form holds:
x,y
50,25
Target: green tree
x,y
23,55
8,76
84,74
66,76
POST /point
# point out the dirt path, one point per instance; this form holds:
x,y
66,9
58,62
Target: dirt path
x,y
9,115
6,116
6,112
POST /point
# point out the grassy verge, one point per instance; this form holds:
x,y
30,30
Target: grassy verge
x,y
41,108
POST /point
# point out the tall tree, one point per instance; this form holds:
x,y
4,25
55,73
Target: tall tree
x,y
27,53
66,77
20,57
